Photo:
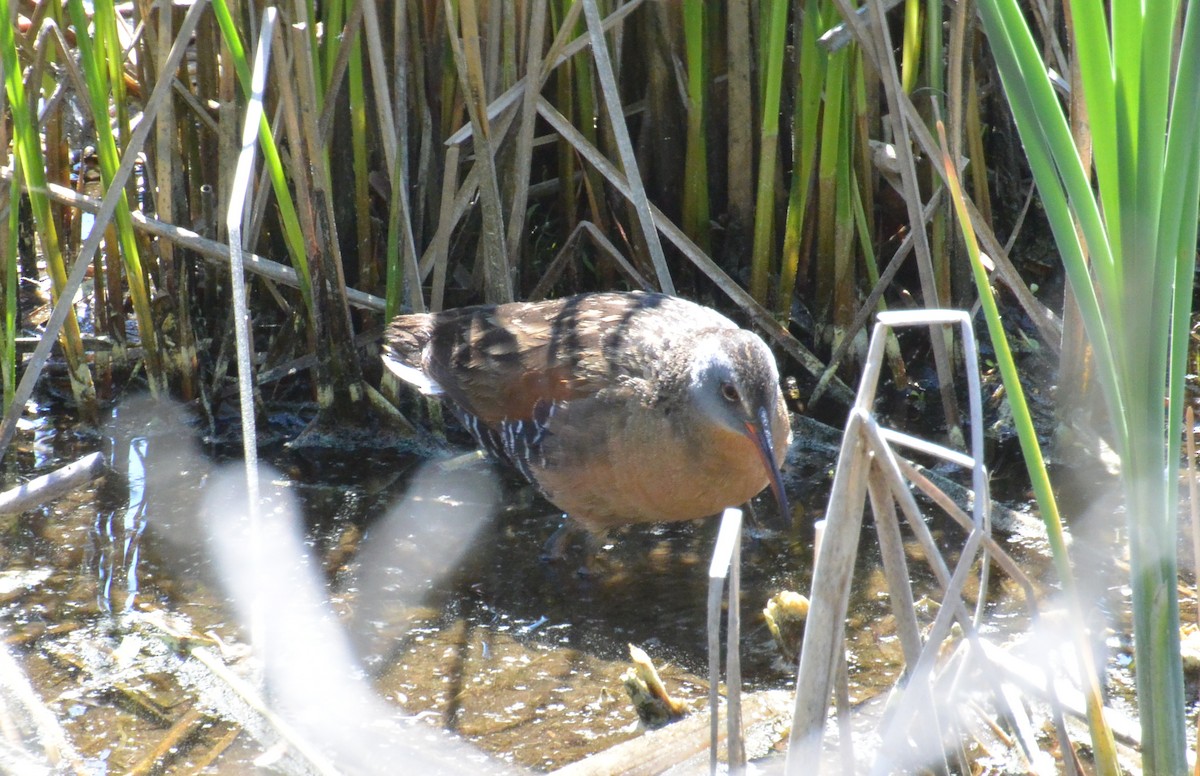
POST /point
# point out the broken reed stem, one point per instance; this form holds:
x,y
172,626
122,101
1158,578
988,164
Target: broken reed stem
x,y
213,251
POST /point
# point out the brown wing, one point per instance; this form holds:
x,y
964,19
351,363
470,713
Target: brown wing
x,y
498,362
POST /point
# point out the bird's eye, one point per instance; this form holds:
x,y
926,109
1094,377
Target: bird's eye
x,y
729,392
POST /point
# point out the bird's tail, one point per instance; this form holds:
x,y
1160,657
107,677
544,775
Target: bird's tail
x,y
404,343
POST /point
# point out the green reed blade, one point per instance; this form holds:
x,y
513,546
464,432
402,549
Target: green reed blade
x,y
95,60
293,235
695,172
910,46
1135,300
805,122
8,367
1102,740
775,19
30,158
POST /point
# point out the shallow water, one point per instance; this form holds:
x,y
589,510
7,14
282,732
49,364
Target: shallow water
x,y
392,595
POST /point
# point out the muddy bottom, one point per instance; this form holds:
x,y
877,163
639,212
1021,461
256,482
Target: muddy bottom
x,y
393,598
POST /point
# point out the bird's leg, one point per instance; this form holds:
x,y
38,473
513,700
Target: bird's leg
x,y
594,540
556,546
593,543
748,507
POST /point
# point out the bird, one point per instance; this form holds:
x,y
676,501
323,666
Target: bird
x,y
620,407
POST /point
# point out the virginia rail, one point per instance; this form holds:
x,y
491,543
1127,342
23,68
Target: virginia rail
x,y
620,407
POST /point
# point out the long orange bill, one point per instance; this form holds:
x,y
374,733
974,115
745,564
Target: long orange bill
x,y
760,432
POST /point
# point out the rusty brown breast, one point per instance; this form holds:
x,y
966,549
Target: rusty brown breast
x,y
621,407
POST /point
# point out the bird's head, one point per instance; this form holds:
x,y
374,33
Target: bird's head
x,y
734,384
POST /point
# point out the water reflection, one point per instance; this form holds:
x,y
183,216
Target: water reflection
x,y
395,593
411,549
116,536
308,666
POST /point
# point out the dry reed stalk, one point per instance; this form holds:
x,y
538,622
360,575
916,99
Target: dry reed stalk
x,y
524,139
738,295
606,248
28,154
202,246
739,152
63,313
616,122
880,42
497,272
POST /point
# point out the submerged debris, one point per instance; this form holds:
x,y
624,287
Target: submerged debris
x,y
654,705
1189,647
785,615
